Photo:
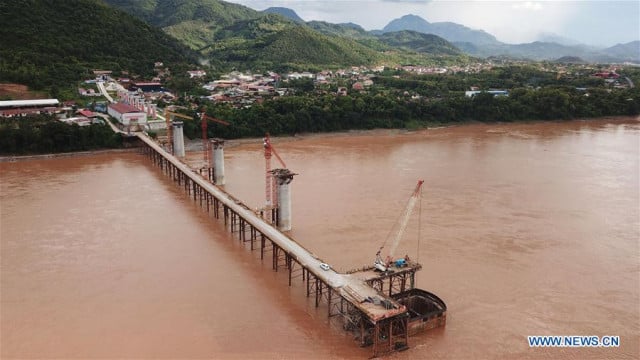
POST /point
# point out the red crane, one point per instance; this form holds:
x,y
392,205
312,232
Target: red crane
x,y
204,119
269,184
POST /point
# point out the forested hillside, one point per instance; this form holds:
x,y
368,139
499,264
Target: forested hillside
x,y
232,36
48,42
163,13
272,42
419,42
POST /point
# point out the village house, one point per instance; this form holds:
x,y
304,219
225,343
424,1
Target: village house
x,y
196,74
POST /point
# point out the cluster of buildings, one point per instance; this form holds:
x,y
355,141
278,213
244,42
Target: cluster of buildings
x,y
241,89
65,112
12,108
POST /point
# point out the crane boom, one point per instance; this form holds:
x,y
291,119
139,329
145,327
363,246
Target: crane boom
x,y
404,220
273,150
216,120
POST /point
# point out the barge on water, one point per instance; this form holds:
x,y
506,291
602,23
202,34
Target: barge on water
x,y
426,310
417,310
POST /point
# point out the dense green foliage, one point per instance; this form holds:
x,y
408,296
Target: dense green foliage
x,y
43,134
415,41
163,13
48,42
193,22
507,77
345,30
274,43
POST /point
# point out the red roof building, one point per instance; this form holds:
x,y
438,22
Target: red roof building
x,y
86,113
127,114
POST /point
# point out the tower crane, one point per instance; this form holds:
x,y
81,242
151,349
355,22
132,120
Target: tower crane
x,y
383,265
169,116
269,184
204,119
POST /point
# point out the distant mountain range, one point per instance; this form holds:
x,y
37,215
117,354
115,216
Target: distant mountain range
x,y
450,31
558,39
482,44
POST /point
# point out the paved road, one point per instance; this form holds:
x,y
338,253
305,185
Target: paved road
x,y
104,92
631,84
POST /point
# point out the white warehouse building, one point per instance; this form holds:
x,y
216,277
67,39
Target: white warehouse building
x,y
127,115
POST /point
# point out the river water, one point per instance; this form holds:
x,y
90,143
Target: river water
x,y
523,229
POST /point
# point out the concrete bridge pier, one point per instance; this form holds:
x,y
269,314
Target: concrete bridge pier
x,y
283,178
217,157
178,139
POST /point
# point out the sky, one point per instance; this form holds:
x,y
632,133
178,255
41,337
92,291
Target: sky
x,y
598,23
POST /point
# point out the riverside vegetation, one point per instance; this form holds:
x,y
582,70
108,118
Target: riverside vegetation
x,y
43,134
397,100
403,100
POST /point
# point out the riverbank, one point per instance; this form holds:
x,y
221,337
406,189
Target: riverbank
x,y
390,132
67,154
196,144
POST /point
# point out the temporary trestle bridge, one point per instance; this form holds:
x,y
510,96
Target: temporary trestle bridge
x,y
367,301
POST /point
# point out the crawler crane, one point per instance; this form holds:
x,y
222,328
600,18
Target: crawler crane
x,y
384,264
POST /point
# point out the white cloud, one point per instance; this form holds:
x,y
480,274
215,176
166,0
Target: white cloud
x,y
528,5
409,1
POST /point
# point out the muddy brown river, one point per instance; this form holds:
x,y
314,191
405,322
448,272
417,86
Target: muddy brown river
x,y
523,229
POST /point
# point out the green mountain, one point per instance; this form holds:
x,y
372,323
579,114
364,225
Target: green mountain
x,y
627,52
346,30
419,42
286,12
273,42
54,43
539,51
164,13
448,30
234,36
193,22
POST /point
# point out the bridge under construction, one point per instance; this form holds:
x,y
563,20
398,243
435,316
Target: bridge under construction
x,y
381,308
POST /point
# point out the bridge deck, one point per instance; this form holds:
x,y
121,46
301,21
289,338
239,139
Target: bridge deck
x,y
352,288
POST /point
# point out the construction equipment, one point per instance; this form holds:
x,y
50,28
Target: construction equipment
x,y
269,183
204,119
169,117
384,265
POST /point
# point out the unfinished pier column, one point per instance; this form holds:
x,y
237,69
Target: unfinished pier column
x,y
178,139
217,156
283,178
